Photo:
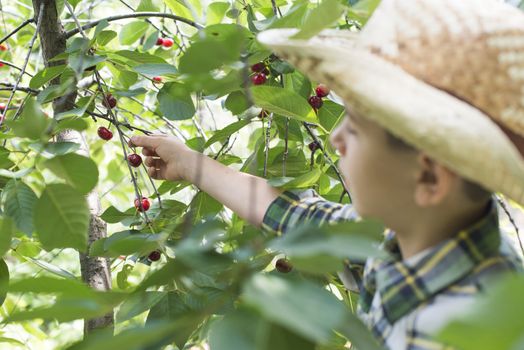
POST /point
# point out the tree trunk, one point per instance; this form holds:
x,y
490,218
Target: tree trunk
x,y
95,271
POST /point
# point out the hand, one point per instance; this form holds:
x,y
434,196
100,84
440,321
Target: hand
x,y
166,156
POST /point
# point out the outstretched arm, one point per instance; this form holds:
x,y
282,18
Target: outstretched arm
x,y
169,158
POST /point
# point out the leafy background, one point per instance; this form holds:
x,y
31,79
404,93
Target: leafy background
x,y
215,284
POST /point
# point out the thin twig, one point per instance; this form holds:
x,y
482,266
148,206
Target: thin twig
x,y
10,87
31,43
506,210
15,67
22,25
268,139
70,9
328,158
133,15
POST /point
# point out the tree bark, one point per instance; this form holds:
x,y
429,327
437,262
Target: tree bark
x,y
95,271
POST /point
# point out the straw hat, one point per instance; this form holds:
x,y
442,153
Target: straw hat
x,y
446,76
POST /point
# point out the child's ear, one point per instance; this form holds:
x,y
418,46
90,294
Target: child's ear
x,y
434,182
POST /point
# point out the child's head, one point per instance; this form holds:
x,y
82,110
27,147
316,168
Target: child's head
x,y
454,89
390,180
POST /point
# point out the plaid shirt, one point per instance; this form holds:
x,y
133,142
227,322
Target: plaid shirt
x,y
405,302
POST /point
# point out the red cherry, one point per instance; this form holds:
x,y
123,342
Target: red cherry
x,y
109,101
157,79
258,67
283,265
315,102
134,160
3,47
313,146
322,90
167,42
145,204
258,79
1,64
159,41
105,133
154,255
2,107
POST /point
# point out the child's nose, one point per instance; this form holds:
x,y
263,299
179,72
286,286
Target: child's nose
x,y
336,140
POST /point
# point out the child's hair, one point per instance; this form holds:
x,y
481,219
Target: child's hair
x,y
472,190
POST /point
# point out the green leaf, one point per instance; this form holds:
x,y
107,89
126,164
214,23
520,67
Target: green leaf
x,y
45,76
493,321
51,285
284,102
298,83
78,171
223,134
55,270
104,37
179,8
126,243
236,102
303,181
4,280
32,123
147,6
243,329
19,203
133,58
173,307
322,248
137,304
176,102
61,218
324,15
131,32
134,338
216,12
7,229
330,114
153,69
59,148
283,302
225,41
5,162
112,215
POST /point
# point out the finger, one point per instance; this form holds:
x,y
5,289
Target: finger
x,y
149,152
150,161
152,172
151,141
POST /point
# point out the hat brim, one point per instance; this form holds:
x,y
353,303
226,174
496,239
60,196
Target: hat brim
x,y
447,129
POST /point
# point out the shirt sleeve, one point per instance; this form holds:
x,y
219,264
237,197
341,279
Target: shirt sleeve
x,y
294,207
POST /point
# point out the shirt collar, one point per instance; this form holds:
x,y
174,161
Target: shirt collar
x,y
405,284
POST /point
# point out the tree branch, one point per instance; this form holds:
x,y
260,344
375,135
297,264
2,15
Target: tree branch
x,y
9,87
15,67
26,22
133,15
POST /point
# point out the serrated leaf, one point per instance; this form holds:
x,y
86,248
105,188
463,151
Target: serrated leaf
x,y
284,102
153,69
176,102
45,75
7,229
19,204
131,32
223,134
61,218
324,15
78,171
32,123
4,280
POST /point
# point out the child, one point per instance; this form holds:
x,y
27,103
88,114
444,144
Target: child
x,y
435,126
